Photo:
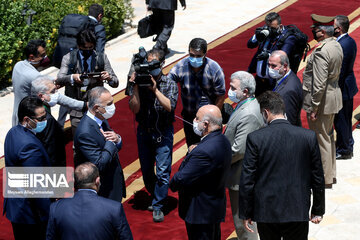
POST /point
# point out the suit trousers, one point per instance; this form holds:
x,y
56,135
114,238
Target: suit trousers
x,y
210,231
164,20
343,127
323,127
29,231
241,232
288,231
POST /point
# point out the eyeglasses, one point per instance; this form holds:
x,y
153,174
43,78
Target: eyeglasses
x,y
40,119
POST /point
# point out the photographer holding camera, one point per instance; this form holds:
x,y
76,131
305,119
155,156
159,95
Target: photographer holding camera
x,y
267,40
153,99
81,70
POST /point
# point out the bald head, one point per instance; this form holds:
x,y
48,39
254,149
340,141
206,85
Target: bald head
x,y
210,115
87,176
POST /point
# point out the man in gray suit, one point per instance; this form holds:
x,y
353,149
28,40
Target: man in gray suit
x,y
25,72
245,119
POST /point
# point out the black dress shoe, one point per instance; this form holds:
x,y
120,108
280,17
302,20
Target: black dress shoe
x,y
344,156
334,180
358,126
150,208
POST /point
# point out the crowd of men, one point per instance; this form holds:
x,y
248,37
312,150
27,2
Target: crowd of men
x,y
266,160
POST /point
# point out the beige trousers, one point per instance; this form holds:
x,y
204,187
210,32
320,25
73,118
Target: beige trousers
x,y
323,126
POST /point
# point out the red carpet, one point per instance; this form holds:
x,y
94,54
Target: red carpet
x,y
232,55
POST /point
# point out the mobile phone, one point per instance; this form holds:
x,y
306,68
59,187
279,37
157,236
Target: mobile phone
x,y
94,75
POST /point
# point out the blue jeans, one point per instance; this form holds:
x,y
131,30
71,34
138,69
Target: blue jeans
x,y
156,147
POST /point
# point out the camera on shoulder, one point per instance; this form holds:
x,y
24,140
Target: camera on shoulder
x,y
143,68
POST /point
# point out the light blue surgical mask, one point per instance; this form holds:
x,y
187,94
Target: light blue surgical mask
x,y
196,129
40,126
232,96
196,62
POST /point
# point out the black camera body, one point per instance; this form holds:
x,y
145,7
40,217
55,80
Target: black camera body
x,y
143,68
262,33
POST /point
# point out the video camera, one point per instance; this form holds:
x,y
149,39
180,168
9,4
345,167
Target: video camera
x,y
143,68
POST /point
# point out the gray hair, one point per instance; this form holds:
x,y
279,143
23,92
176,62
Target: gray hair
x,y
328,29
41,85
247,81
283,57
343,22
212,119
94,96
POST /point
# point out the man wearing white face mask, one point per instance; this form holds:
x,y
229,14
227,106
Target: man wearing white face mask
x,y
287,84
202,82
201,177
52,136
96,142
245,119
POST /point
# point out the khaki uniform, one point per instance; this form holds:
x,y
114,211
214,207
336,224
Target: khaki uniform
x,y
322,95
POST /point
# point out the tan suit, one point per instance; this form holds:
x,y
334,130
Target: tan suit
x,y
245,119
322,95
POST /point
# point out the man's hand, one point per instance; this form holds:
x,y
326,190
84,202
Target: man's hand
x,y
153,87
315,219
263,56
105,75
192,147
132,78
110,136
313,116
184,6
246,225
76,78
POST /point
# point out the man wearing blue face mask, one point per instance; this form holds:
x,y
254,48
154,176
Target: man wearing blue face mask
x,y
75,74
245,119
27,71
202,82
22,149
154,107
97,143
287,84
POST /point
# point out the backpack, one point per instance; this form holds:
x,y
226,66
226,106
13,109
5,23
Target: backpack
x,y
301,45
70,26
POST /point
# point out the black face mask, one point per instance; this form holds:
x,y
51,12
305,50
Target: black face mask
x,y
86,53
274,32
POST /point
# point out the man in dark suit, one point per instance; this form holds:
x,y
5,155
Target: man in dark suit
x,y
164,17
87,215
96,14
287,84
202,175
96,142
265,46
28,216
281,167
347,82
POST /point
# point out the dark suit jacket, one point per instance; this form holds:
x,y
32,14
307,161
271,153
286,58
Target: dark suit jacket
x,y
282,164
164,4
90,145
53,139
22,148
87,216
291,92
201,180
100,34
287,47
347,81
